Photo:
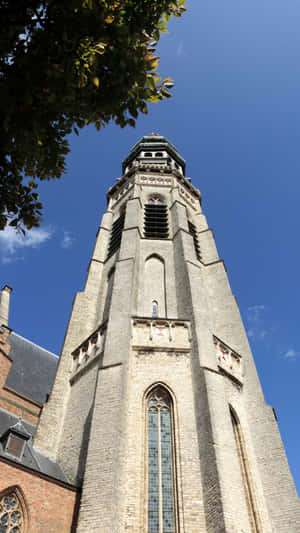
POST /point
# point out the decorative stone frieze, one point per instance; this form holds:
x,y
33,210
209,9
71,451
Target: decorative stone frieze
x,y
160,334
229,360
187,197
155,180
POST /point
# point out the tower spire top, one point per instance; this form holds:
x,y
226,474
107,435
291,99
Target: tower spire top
x,y
157,147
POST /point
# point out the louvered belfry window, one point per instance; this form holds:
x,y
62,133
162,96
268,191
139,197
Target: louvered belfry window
x,y
193,232
156,220
116,235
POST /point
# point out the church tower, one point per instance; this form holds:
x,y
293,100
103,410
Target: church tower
x,y
157,410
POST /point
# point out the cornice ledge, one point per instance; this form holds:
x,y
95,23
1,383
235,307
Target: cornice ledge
x,y
215,263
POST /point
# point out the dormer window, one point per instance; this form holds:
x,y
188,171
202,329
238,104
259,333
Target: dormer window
x,y
14,440
148,154
15,445
159,154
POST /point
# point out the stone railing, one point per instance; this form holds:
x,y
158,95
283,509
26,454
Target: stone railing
x,y
88,349
228,360
160,333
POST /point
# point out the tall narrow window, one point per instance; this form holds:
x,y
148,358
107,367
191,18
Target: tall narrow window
x,y
161,464
11,513
154,292
252,512
116,235
154,308
193,232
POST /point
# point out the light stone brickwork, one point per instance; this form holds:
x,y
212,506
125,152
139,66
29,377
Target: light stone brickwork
x,y
172,370
4,305
230,470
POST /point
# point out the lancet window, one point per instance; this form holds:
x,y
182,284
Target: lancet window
x,y
252,511
11,514
154,308
193,232
162,504
116,235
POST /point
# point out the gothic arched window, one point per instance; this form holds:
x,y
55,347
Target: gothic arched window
x,y
161,500
250,499
12,518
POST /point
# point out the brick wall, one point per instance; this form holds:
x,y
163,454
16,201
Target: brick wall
x,y
51,507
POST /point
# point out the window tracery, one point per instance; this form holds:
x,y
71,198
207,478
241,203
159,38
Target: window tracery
x,y
161,465
11,514
156,199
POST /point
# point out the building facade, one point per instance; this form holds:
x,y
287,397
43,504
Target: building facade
x,y
32,486
156,415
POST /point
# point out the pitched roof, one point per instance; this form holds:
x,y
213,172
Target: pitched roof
x,y
33,369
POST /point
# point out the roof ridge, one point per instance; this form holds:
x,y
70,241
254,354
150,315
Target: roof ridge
x,y
13,415
34,344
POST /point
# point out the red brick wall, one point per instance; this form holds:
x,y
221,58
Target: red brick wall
x,y
9,400
51,508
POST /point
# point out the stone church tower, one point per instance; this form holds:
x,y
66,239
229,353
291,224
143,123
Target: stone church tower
x,y
157,410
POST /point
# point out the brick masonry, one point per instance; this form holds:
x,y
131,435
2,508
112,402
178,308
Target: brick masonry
x,y
50,507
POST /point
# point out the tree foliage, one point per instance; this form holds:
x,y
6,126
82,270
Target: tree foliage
x,y
65,64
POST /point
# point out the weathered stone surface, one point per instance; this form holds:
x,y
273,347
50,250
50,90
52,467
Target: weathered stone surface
x,y
229,478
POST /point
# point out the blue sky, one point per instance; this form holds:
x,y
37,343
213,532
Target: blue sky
x,y
235,118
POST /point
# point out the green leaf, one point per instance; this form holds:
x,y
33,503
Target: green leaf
x,y
90,62
151,82
165,93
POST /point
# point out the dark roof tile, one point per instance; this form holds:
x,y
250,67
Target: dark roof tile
x,y
33,369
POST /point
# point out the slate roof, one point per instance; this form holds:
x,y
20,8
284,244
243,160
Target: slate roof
x,y
33,369
31,457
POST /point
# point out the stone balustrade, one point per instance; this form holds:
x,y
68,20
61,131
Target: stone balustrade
x,y
88,349
228,360
160,334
